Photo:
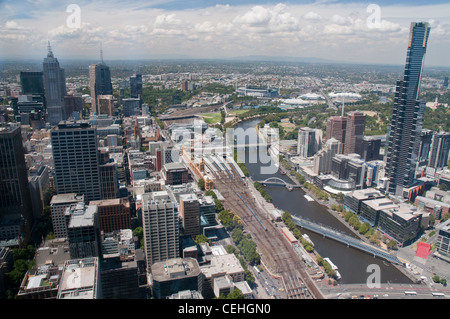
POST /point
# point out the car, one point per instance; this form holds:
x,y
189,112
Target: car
x,y
385,295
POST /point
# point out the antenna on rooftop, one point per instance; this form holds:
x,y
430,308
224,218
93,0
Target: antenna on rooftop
x,y
101,54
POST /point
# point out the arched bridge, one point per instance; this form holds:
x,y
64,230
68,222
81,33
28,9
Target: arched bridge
x,y
275,181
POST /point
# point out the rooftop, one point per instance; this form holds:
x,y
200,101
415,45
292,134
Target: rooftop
x,y
381,204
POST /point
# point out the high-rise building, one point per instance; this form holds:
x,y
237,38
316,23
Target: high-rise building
x,y
136,86
323,158
55,88
58,205
407,115
32,82
356,124
161,227
336,127
368,147
76,160
83,233
440,147
190,214
309,141
113,214
15,199
99,83
424,147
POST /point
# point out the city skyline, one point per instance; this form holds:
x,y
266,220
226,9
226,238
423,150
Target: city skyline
x,y
340,31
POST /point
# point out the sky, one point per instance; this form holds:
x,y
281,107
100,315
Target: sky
x,y
373,32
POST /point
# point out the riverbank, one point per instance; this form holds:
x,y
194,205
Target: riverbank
x,y
327,204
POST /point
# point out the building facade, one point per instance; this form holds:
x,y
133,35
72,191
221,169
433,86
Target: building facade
x,y
15,200
76,160
99,83
55,88
161,227
407,116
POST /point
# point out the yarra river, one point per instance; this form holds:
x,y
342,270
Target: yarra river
x,y
352,264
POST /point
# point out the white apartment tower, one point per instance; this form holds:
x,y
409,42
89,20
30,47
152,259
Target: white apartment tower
x,y
161,227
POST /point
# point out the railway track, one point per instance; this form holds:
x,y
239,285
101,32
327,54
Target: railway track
x,y
276,251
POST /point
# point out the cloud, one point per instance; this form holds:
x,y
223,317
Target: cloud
x,y
220,29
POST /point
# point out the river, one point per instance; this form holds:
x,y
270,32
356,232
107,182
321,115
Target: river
x,y
352,264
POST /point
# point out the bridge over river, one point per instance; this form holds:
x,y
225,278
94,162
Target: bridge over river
x,y
345,239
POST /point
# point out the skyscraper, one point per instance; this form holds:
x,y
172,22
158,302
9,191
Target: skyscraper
x,y
356,124
76,160
99,83
336,127
136,86
161,227
15,199
309,141
440,147
407,116
55,88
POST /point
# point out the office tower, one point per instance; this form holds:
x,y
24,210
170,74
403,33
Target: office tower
x,y
32,83
356,124
105,104
136,86
73,106
76,160
83,233
190,214
349,168
174,174
440,147
425,139
323,158
407,115
58,205
99,83
175,275
336,128
131,106
27,104
161,227
113,214
55,88
445,82
108,175
15,200
368,147
309,141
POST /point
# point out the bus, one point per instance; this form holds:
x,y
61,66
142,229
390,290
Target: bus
x,y
438,294
410,293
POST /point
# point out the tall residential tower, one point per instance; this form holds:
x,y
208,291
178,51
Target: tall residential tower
x,y
407,116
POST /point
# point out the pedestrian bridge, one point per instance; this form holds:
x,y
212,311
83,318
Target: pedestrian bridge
x,y
275,181
346,239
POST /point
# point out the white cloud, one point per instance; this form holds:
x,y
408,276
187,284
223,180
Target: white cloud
x,y
293,29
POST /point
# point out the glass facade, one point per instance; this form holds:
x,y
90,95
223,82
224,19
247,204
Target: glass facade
x,y
407,116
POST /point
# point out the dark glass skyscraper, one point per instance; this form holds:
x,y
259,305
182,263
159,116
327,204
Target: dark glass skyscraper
x,y
15,201
99,83
407,116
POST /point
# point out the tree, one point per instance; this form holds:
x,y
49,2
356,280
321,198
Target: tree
x,y
201,184
199,239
